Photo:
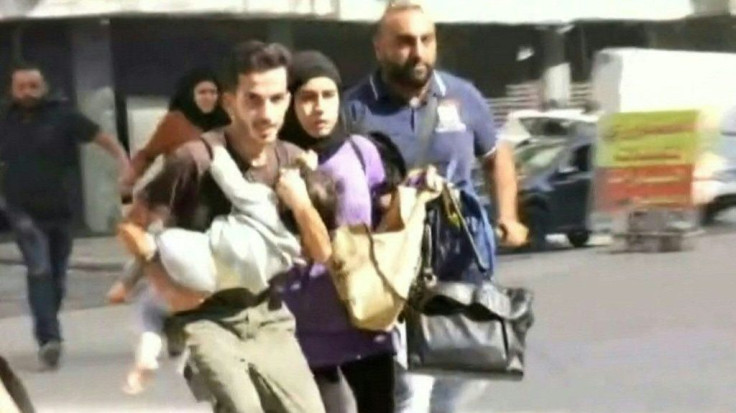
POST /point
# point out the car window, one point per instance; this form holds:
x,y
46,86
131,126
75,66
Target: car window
x,y
577,161
531,159
584,130
547,127
580,159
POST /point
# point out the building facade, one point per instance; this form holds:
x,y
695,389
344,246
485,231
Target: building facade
x,y
118,60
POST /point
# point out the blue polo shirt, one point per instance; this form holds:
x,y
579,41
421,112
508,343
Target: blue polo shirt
x,y
464,130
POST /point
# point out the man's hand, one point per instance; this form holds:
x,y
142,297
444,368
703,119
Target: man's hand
x,y
309,159
292,190
515,234
501,172
111,145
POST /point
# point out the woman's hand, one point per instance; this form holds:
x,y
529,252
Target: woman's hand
x,y
126,181
433,180
426,178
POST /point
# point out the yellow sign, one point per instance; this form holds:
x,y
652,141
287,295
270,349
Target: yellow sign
x,y
646,139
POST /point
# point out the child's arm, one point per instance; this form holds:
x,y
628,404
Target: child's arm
x,y
118,293
132,274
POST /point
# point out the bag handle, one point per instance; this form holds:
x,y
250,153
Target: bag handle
x,y
334,265
358,154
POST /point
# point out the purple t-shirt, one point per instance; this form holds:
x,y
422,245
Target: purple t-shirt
x,y
323,327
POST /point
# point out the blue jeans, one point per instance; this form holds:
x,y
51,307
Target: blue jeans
x,y
45,247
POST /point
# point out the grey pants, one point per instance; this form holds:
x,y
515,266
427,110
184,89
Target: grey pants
x,y
249,359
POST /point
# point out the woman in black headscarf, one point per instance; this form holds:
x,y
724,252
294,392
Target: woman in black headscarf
x,y
193,109
333,347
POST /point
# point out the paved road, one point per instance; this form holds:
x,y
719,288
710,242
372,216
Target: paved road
x,y
625,332
98,351
614,333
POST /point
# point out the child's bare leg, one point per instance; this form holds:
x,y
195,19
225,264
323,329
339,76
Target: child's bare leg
x,y
151,314
121,290
146,363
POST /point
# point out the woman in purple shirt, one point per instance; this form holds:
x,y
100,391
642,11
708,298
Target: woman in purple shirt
x,y
332,346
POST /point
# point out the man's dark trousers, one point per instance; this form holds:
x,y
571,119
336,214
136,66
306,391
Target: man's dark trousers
x,y
45,247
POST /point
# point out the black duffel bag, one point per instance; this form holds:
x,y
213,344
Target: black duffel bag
x,y
470,328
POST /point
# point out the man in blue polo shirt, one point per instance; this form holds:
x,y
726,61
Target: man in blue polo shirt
x,y
434,118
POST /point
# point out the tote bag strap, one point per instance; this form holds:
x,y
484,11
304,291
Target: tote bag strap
x,y
374,260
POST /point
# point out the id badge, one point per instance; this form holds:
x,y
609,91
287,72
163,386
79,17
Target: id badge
x,y
448,117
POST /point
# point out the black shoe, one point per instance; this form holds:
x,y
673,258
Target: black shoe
x,y
49,355
175,340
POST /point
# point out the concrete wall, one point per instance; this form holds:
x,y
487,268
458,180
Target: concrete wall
x,y
543,11
144,114
149,53
708,34
94,8
93,82
472,11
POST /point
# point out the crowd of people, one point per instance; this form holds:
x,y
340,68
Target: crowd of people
x,y
231,240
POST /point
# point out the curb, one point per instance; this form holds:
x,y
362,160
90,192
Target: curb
x,y
75,264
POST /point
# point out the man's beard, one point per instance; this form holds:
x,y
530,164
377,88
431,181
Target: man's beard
x,y
412,74
28,103
258,130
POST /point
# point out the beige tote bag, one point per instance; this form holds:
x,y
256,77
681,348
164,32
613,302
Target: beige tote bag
x,y
374,271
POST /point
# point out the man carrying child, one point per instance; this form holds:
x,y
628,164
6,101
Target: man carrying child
x,y
240,336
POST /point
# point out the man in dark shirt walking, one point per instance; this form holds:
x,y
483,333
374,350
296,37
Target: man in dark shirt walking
x,y
39,140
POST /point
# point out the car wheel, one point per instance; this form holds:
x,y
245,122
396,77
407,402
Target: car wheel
x,y
537,220
708,214
579,239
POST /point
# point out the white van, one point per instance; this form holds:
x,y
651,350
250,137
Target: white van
x,y
644,80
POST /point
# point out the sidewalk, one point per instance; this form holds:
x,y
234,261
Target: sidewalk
x,y
98,351
90,254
